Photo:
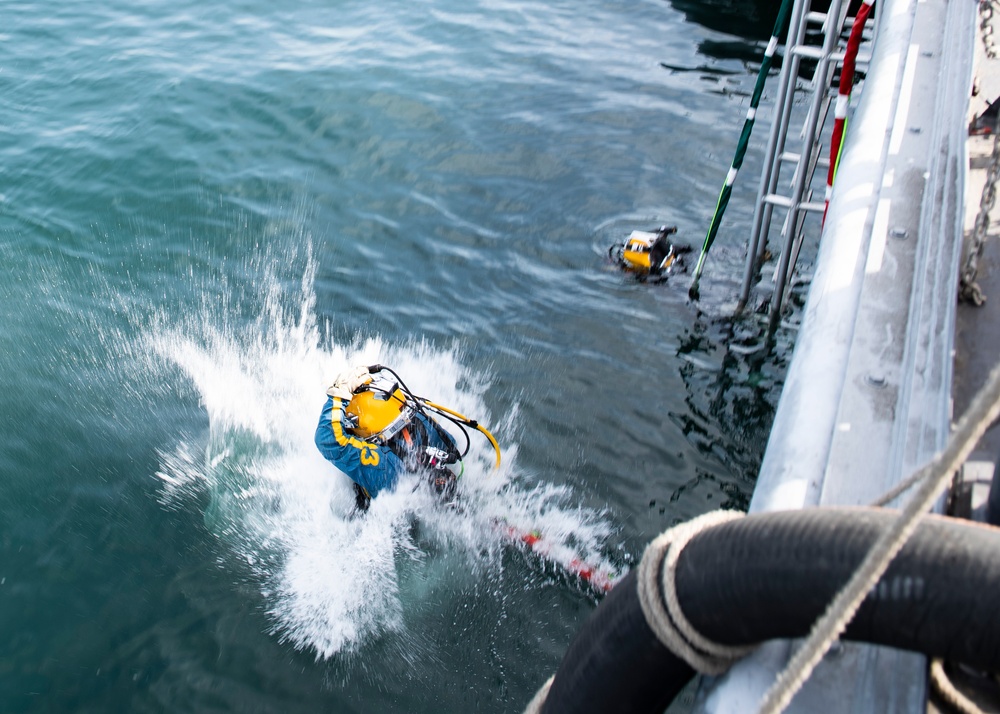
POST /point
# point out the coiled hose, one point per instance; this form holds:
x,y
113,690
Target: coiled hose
x,y
770,576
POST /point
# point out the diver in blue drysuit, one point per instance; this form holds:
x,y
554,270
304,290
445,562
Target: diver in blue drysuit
x,y
373,465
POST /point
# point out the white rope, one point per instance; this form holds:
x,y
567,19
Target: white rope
x,y
659,560
535,705
946,690
934,476
663,613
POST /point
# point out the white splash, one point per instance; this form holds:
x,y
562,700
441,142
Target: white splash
x,y
331,578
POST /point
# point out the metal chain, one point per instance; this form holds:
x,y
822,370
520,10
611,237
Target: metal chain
x,y
986,27
968,289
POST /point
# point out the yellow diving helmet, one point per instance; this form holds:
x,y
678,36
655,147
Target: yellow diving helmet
x,y
636,251
646,252
379,414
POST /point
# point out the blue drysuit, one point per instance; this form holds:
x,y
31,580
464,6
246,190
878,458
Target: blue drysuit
x,y
375,466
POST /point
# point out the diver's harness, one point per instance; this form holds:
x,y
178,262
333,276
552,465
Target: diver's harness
x,y
397,436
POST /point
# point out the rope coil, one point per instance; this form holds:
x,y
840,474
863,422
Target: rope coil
x,y
663,611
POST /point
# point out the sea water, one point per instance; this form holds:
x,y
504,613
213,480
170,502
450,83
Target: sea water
x,y
209,210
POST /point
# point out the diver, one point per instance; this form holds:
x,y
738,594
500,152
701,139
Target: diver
x,y
375,432
650,254
661,250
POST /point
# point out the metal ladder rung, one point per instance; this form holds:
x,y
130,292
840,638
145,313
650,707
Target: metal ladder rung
x,y
819,18
791,157
808,51
775,199
813,155
816,53
863,59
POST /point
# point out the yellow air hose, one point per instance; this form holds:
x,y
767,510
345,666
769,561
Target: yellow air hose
x,y
468,422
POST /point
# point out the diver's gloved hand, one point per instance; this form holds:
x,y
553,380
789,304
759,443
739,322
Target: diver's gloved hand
x,y
441,479
349,381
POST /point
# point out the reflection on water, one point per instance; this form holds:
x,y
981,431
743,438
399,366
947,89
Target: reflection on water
x,y
733,382
744,29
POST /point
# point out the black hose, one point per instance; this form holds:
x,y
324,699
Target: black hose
x,y
418,403
616,663
771,576
461,427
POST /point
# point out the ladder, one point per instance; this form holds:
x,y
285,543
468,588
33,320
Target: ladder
x,y
797,200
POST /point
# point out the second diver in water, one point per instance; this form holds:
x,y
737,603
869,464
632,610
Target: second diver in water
x,y
649,254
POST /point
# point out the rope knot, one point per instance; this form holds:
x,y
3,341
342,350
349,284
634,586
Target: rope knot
x,y
658,598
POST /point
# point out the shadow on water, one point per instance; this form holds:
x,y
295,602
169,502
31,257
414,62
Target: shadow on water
x,y
752,20
749,24
733,383
744,28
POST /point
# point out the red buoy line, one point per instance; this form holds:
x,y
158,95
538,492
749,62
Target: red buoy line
x,y
594,575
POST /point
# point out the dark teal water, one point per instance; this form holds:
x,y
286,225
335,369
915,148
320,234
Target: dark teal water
x,y
206,210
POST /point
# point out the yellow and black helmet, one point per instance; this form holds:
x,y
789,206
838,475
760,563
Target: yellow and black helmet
x,y
377,414
646,252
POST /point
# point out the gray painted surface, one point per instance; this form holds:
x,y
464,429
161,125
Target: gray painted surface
x,y
868,394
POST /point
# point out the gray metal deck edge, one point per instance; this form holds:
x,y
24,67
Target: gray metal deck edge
x,y
867,395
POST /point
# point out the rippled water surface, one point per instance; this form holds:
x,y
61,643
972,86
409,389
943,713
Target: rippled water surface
x,y
209,209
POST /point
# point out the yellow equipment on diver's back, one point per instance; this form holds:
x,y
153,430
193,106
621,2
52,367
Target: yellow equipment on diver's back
x,y
636,256
649,253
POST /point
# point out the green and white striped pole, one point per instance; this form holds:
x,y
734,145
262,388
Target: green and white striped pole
x,y
741,146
